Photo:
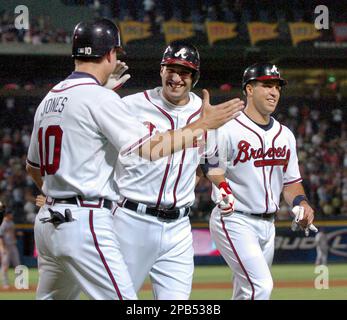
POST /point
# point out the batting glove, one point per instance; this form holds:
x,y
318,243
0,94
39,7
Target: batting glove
x,y
225,200
117,79
299,215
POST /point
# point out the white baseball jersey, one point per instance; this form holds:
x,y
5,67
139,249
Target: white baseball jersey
x,y
167,182
258,163
79,127
159,248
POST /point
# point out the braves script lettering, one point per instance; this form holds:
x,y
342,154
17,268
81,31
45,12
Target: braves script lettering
x,y
246,153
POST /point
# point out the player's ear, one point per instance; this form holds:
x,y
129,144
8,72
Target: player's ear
x,y
249,90
162,70
110,55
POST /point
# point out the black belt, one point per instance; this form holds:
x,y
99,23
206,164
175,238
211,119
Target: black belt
x,y
258,215
103,203
169,214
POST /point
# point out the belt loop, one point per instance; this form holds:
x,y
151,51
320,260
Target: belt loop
x,y
141,208
49,201
183,212
78,201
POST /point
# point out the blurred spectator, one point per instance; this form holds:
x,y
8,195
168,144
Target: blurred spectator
x,y
322,247
8,247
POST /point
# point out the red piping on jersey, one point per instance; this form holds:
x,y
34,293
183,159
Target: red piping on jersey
x,y
134,145
182,160
75,85
294,181
237,257
102,256
264,177
276,162
169,158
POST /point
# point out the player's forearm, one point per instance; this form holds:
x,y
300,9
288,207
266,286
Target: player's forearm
x,y
169,142
35,174
291,191
216,176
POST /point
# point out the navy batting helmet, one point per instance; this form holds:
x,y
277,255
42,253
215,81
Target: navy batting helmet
x,y
93,39
262,72
185,54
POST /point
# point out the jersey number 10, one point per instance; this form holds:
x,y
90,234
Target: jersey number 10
x,y
50,164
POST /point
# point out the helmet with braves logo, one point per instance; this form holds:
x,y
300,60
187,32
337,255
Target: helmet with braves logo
x,y
262,72
185,54
93,39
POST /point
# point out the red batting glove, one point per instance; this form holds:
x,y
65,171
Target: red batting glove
x,y
226,200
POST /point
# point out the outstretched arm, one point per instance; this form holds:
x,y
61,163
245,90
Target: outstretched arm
x,y
212,117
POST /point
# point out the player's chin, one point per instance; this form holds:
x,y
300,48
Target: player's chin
x,y
176,92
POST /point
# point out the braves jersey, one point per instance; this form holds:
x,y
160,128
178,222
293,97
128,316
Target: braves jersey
x,y
258,163
168,182
79,127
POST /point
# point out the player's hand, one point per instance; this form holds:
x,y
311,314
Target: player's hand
x,y
303,218
117,79
40,200
225,199
217,115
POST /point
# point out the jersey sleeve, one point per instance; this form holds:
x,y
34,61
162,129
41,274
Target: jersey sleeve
x,y
292,172
118,125
33,157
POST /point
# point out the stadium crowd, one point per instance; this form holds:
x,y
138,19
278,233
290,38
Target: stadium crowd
x,y
318,124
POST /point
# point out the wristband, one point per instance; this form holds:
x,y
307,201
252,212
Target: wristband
x,y
297,200
224,185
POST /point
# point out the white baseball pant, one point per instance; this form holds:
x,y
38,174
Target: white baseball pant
x,y
82,255
247,245
162,250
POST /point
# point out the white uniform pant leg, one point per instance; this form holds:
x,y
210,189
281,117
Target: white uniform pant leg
x,y
14,255
87,251
268,241
160,249
236,237
172,273
55,283
5,263
322,257
139,240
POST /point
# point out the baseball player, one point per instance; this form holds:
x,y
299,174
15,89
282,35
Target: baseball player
x,y
8,247
322,247
259,156
152,222
79,128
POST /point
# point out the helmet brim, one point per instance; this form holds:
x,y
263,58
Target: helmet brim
x,y
180,62
265,78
